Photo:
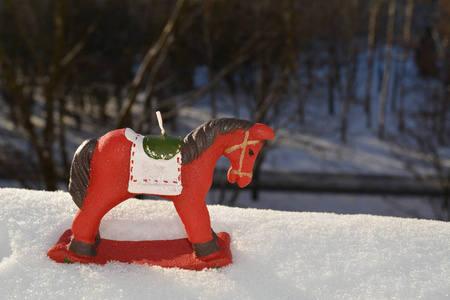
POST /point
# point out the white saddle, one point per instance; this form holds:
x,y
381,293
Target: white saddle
x,y
152,176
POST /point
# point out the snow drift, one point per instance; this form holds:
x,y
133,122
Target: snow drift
x,y
289,255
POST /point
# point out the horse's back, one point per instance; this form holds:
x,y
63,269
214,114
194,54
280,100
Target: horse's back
x,y
112,155
112,141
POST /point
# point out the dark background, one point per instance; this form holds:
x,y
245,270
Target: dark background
x,y
70,67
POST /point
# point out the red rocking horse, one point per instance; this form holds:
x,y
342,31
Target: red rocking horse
x,y
102,171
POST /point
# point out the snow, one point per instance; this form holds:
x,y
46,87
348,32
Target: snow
x,y
382,205
277,254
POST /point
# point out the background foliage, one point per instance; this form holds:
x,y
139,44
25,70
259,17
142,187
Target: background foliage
x,y
64,63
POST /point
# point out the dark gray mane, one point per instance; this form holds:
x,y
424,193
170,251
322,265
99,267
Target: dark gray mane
x,y
204,136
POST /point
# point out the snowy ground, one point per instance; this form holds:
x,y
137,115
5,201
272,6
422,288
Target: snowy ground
x,y
277,255
381,205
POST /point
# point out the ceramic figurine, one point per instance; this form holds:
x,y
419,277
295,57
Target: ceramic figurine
x,y
121,164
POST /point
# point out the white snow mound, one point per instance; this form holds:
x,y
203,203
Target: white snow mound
x,y
277,255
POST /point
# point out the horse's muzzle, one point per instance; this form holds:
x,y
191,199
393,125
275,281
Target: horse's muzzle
x,y
242,179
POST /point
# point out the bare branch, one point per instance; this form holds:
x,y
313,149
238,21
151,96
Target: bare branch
x,y
26,38
241,56
70,56
147,62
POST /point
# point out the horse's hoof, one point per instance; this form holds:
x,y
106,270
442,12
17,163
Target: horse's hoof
x,y
98,240
85,249
203,250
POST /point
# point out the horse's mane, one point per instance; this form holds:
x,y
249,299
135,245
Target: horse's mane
x,y
200,139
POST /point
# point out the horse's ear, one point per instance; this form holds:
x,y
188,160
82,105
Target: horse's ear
x,y
262,132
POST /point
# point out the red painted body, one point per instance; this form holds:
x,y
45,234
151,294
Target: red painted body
x,y
109,176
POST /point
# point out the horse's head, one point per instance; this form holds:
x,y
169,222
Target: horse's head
x,y
242,156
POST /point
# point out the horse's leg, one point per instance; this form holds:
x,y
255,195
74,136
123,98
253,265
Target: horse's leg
x,y
197,223
86,236
107,188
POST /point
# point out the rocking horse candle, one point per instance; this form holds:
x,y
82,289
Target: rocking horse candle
x,y
110,169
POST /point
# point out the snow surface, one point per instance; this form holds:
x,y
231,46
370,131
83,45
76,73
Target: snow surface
x,y
277,255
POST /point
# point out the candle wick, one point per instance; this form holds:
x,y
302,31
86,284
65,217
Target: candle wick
x,y
160,123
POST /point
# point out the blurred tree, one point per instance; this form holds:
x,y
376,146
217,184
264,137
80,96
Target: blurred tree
x,y
66,65
63,59
374,8
148,62
35,75
351,15
387,69
427,132
407,44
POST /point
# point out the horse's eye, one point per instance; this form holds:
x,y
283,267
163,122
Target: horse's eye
x,y
250,152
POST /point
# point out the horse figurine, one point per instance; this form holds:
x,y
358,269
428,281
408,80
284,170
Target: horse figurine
x,y
100,178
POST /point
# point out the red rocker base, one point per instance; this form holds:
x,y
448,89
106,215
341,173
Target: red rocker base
x,y
164,253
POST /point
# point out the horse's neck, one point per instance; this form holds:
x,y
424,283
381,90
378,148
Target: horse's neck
x,y
217,149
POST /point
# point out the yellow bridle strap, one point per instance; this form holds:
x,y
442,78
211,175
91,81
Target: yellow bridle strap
x,y
240,174
242,146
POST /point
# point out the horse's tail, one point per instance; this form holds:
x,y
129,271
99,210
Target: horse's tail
x,y
80,170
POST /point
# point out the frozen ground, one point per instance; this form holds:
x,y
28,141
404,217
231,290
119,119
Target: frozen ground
x,y
381,205
277,255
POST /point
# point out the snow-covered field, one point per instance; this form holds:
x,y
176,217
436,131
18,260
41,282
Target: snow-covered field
x,y
277,255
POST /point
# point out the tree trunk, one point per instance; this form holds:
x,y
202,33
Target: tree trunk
x,y
147,62
406,43
387,70
351,70
62,139
332,79
374,8
207,34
